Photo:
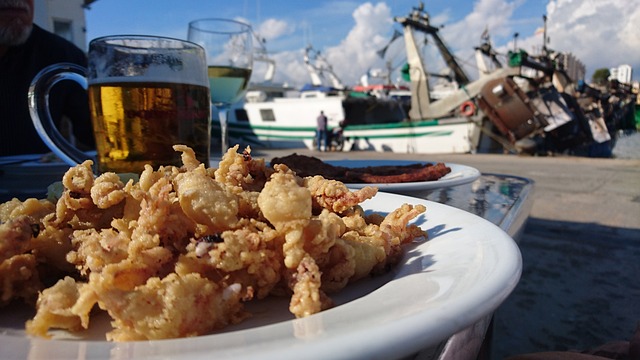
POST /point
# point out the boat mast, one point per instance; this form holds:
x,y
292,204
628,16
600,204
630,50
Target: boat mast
x,y
260,55
315,77
418,19
485,50
316,71
420,94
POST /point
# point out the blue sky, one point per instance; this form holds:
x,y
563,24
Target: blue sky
x,y
601,33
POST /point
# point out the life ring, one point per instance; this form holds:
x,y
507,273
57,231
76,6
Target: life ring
x,y
468,108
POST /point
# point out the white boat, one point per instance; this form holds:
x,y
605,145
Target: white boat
x,y
368,121
487,115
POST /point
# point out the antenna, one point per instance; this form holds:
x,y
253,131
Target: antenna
x,y
544,34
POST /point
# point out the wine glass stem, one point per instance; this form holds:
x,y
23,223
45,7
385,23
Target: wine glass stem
x,y
224,132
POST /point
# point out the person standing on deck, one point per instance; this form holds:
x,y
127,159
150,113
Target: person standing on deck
x,y
321,131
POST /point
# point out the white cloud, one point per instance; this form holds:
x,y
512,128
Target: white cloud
x,y
357,52
601,33
491,14
273,28
291,69
353,55
463,36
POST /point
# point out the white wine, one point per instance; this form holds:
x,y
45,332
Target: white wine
x,y
227,84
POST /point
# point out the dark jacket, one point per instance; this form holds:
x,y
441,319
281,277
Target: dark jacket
x,y
18,66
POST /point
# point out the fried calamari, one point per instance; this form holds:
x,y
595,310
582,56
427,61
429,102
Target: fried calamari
x,y
180,251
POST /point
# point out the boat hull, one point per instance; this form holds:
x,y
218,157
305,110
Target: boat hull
x,y
367,123
456,135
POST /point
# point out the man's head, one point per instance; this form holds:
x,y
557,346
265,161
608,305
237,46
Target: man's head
x,y
16,21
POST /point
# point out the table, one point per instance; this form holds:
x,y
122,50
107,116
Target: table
x,y
25,176
504,200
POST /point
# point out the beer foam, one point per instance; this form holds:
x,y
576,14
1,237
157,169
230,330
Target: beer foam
x,y
191,71
147,79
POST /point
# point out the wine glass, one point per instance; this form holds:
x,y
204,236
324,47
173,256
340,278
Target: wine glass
x,y
229,52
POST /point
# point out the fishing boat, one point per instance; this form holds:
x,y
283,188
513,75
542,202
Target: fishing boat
x,y
368,121
502,111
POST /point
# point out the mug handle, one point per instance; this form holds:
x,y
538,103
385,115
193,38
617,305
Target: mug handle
x,y
41,116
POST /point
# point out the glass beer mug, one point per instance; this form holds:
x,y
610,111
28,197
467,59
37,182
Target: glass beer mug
x,y
146,94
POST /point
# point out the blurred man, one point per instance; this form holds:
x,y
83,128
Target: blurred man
x,y
321,131
25,49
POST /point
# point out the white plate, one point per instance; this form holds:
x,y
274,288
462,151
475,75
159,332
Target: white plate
x,y
460,174
462,273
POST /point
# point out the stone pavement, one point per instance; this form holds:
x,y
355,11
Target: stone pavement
x,y
580,285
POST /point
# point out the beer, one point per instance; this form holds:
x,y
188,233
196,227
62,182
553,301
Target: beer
x,y
146,94
227,83
137,123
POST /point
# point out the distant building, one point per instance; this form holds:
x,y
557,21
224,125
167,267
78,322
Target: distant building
x,y
563,60
572,65
622,73
64,18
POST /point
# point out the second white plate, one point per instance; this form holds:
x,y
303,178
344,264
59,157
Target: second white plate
x,y
460,174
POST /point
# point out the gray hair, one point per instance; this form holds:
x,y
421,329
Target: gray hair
x,y
15,35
